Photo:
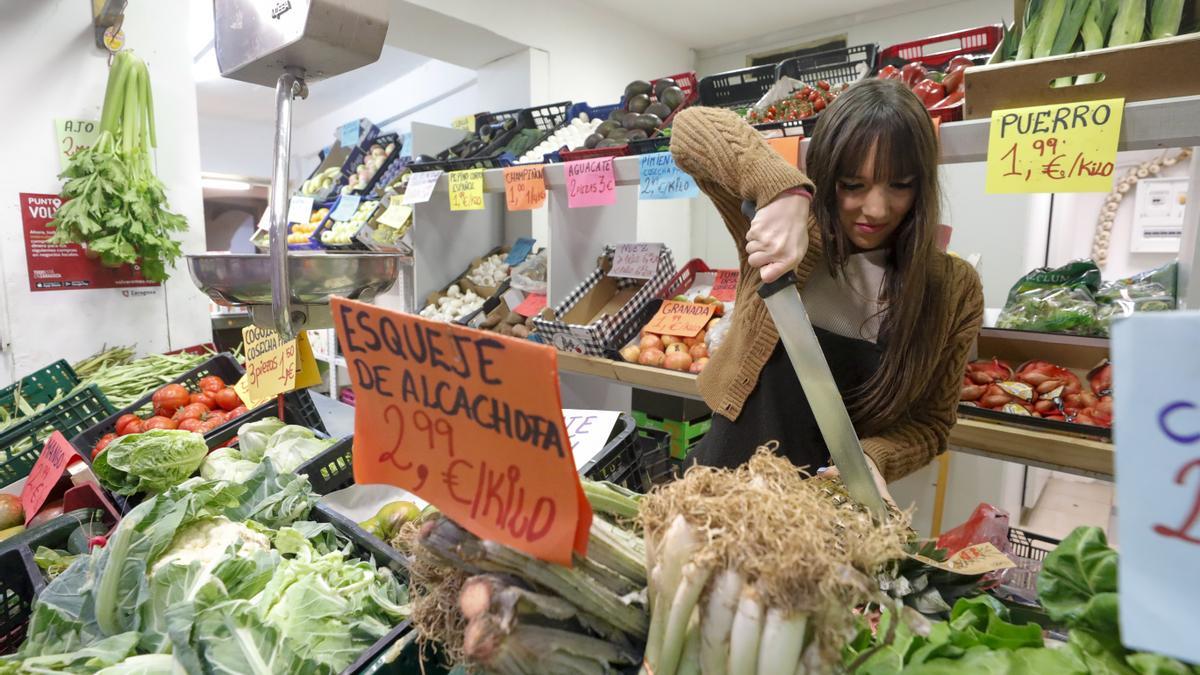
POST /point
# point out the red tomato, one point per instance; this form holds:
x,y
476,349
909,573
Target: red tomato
x,y
190,424
227,398
219,415
819,105
210,424
238,412
192,411
205,397
124,420
134,427
170,397
822,84
159,423
211,383
102,444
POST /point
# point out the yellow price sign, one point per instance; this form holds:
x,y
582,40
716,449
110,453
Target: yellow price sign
x,y
466,123
466,190
270,365
1067,147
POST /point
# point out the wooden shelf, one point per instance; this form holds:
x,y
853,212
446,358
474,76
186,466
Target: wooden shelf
x,y
1057,451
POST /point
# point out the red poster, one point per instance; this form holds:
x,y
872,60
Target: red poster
x,y
57,267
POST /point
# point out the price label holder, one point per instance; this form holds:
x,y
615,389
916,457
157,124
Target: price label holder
x,y
348,134
524,187
681,319
590,182
73,136
635,261
972,560
589,431
520,251
345,208
1065,147
661,179
466,190
725,286
420,187
469,421
270,365
533,305
45,479
299,210
1157,437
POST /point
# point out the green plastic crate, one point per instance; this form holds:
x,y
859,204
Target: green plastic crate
x,y
21,444
42,386
684,435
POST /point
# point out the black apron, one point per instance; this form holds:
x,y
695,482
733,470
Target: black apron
x,y
777,409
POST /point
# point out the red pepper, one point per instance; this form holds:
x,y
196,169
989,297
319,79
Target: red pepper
x,y
955,80
912,73
949,101
929,92
889,73
958,63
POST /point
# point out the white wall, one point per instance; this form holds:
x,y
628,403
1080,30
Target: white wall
x,y
61,73
236,147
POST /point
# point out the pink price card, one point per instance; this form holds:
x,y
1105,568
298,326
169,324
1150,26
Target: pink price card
x,y
590,182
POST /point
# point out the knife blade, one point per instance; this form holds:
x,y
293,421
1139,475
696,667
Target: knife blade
x,y
812,369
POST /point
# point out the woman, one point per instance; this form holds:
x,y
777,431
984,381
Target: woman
x,y
896,317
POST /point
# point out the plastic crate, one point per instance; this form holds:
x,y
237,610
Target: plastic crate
x,y
388,159
983,39
684,434
77,412
222,365
379,551
41,386
737,88
333,469
545,118
684,278
20,577
600,112
619,453
20,582
650,145
1028,550
593,153
835,66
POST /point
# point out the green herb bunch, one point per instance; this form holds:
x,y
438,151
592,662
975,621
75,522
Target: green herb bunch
x,y
115,205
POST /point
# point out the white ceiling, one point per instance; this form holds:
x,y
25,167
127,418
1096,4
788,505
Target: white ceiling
x,y
709,23
219,97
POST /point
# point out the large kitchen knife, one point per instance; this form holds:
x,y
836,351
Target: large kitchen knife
x,y
800,341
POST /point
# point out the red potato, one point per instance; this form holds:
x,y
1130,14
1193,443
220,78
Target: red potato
x,y
1100,379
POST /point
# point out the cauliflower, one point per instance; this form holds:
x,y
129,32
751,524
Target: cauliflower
x,y
208,540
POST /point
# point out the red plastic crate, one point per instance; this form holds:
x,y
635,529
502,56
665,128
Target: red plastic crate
x,y
684,278
594,153
970,41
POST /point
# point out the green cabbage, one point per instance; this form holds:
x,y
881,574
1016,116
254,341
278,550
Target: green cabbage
x,y
287,447
149,462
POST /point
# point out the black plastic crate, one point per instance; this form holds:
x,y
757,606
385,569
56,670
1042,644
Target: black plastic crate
x,y
20,582
1027,550
737,88
650,145
835,66
378,550
222,365
298,408
21,445
333,469
635,458
41,386
619,453
388,160
545,118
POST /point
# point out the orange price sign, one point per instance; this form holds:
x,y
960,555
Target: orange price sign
x,y
788,147
725,286
46,472
524,187
469,421
681,319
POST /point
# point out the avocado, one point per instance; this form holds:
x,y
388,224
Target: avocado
x,y
659,109
605,127
631,121
647,123
672,97
638,104
592,140
474,147
617,114
487,132
635,88
659,85
637,135
620,135
609,143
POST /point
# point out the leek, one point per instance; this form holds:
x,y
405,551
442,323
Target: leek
x,y
1164,18
1096,24
1129,24
1051,19
746,633
1068,33
717,622
1031,25
691,583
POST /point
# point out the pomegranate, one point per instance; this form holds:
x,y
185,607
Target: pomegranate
x,y
651,357
698,351
678,360
631,353
650,341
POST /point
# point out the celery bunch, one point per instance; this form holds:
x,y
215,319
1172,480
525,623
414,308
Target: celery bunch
x,y
115,205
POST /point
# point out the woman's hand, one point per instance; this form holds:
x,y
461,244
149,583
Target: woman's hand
x,y
778,236
832,472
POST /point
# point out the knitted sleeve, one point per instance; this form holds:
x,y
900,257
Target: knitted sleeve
x,y
730,162
916,440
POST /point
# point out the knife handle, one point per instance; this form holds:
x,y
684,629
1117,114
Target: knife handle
x,y
767,290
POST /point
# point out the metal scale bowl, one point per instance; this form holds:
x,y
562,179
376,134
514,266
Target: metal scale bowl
x,y
285,44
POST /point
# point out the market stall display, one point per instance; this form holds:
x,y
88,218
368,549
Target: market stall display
x,y
498,139
343,233
379,154
1040,390
645,112
300,234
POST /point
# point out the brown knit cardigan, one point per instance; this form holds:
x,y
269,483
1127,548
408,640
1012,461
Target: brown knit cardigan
x,y
732,163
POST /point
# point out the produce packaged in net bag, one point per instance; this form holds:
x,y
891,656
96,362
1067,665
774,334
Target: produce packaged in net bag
x,y
1056,300
1150,291
530,276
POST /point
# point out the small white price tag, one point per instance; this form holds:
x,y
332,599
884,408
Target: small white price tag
x,y
1157,433
589,431
420,187
346,206
300,209
635,261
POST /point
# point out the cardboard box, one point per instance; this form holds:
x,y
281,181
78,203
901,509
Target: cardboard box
x,y
1139,72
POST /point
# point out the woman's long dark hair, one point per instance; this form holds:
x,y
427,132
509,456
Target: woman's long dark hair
x,y
884,117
